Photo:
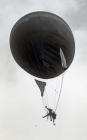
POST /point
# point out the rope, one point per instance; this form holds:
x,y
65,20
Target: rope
x,y
46,97
60,92
45,104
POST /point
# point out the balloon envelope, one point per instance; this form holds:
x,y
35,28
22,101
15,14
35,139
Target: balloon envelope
x,y
35,42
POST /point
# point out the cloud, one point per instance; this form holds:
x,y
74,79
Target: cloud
x,y
78,18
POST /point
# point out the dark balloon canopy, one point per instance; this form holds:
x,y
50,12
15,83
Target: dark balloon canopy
x,y
36,40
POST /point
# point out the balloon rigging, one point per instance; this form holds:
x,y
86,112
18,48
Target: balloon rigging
x,y
42,43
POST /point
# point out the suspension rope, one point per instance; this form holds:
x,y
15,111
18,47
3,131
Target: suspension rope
x,y
44,101
46,97
59,92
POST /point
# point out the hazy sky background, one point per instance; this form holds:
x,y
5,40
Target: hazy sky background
x,y
21,107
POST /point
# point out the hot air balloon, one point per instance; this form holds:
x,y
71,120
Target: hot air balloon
x,y
42,43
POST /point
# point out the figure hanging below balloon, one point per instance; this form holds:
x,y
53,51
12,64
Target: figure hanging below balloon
x,y
51,114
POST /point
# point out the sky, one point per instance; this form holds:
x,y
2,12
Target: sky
x,y
21,107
